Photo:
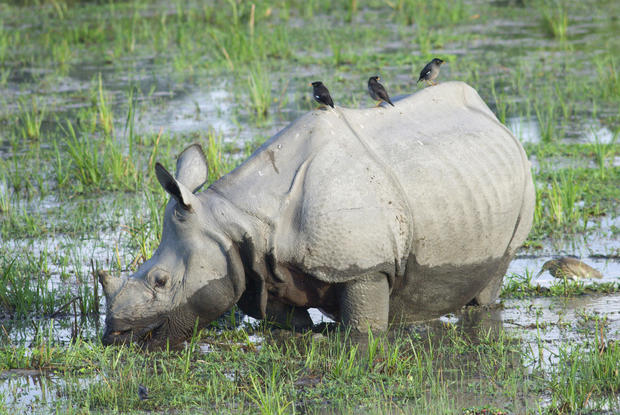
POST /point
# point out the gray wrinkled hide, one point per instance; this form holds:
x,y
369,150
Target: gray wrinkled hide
x,y
416,209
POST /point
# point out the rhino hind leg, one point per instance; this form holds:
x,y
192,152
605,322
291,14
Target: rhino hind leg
x,y
364,303
288,316
490,293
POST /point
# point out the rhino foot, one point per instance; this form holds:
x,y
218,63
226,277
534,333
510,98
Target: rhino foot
x,y
364,303
490,293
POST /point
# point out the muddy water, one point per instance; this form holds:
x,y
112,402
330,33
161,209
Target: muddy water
x,y
527,130
544,325
32,391
547,323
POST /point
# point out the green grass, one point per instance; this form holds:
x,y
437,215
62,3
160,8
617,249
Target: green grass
x,y
554,16
21,294
545,113
5,196
31,119
571,199
259,87
442,372
523,286
583,373
604,153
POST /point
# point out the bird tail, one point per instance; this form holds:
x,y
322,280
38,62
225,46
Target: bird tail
x,y
390,102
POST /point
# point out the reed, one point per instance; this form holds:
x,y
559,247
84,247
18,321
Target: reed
x,y
31,118
554,16
259,88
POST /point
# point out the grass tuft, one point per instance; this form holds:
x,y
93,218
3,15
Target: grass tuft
x,y
31,119
259,88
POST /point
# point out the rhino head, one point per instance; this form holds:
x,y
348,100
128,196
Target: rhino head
x,y
190,279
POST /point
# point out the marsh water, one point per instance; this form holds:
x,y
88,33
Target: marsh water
x,y
542,325
59,219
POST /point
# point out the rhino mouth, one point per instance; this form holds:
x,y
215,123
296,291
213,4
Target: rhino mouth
x,y
140,335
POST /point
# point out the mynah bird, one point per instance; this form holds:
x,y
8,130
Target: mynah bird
x,y
321,94
377,91
430,71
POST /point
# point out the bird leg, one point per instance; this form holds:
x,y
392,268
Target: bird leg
x,y
378,103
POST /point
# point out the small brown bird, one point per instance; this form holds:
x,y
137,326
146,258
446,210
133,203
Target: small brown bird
x,y
430,71
570,268
377,91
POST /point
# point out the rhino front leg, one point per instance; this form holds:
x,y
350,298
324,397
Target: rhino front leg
x,y
364,303
288,316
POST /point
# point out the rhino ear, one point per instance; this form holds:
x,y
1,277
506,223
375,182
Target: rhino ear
x,y
192,169
175,188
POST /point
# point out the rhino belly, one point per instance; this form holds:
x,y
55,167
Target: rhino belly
x,y
430,292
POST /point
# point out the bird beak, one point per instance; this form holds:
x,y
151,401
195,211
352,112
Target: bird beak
x,y
378,78
310,84
539,273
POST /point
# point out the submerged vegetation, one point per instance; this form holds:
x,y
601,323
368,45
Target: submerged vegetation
x,y
92,94
449,369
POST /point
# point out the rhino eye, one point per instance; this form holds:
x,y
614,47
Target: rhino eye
x,y
160,280
179,215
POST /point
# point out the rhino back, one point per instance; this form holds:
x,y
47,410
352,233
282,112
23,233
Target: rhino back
x,y
463,172
342,192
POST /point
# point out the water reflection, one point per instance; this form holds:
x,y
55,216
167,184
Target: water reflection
x,y
25,388
527,130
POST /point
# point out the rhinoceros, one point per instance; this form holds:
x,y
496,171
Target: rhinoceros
x,y
370,215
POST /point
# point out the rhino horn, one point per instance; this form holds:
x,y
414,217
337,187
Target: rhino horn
x,y
109,283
